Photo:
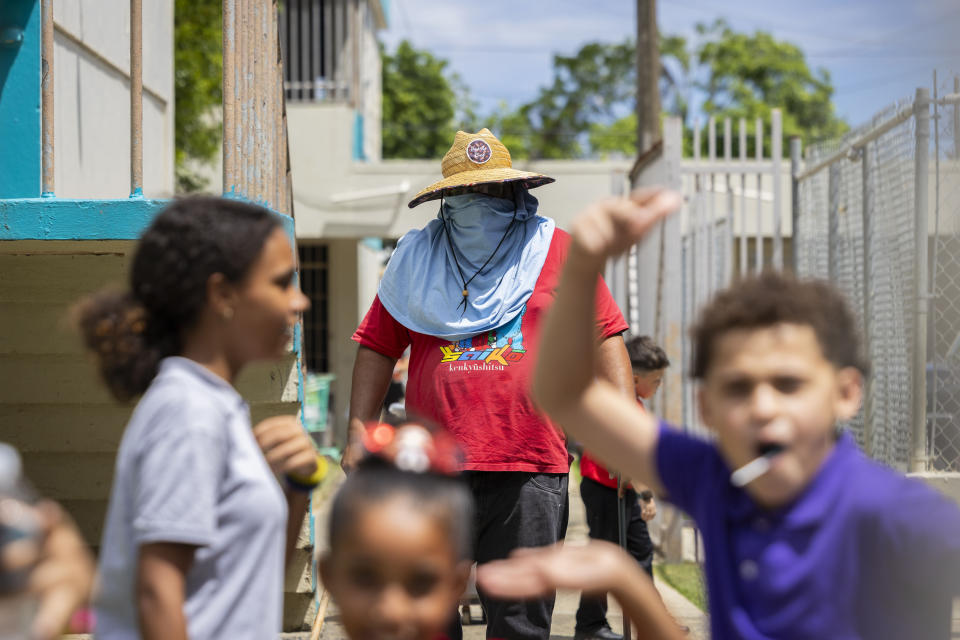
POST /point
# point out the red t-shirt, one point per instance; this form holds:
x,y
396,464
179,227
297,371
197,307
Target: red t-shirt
x,y
590,468
478,388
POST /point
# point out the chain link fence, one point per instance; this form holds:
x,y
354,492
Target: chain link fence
x,y
855,228
877,214
943,370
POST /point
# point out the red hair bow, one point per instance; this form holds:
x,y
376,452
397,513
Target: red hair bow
x,y
413,447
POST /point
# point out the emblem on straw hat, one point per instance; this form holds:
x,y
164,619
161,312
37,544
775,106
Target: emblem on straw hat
x,y
476,158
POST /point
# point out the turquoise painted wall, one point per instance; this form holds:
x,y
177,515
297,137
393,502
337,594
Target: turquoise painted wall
x,y
20,76
358,153
64,219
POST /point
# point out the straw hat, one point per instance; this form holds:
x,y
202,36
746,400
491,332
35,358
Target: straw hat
x,y
476,158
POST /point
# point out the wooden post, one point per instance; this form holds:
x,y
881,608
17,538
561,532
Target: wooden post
x,y
648,76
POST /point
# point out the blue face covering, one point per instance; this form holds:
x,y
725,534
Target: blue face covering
x,y
422,286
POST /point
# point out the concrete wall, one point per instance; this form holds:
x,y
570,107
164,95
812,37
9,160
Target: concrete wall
x,y
751,200
53,406
369,99
337,197
344,309
92,98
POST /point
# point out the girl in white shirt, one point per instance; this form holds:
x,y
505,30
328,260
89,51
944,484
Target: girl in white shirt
x,y
197,525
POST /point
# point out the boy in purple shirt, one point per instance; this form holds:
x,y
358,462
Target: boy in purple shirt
x,y
817,542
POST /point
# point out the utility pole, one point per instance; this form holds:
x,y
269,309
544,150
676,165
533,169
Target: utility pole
x,y
648,77
648,137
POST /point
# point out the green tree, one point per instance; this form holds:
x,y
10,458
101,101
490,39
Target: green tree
x,y
512,127
588,108
748,75
618,138
198,70
675,79
422,103
595,84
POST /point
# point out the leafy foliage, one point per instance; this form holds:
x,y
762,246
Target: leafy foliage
x,y
198,65
750,74
597,83
419,103
737,76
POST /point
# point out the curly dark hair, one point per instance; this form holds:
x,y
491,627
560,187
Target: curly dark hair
x,y
190,240
446,498
773,298
646,355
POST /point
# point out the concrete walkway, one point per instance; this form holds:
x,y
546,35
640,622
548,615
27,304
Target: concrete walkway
x,y
565,609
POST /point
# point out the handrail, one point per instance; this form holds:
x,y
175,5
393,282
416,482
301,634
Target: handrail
x,y
850,150
136,99
256,162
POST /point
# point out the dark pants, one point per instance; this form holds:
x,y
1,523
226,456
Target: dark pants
x,y
601,505
516,509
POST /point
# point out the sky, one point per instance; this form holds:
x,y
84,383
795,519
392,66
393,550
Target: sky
x,y
876,51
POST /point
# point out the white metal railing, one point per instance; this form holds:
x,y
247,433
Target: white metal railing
x,y
255,157
136,99
732,197
47,97
321,44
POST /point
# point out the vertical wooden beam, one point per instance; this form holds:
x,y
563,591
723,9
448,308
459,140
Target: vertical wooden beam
x,y
648,76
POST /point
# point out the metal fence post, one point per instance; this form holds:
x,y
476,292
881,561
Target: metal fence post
x,y
921,106
742,130
776,154
696,231
616,269
833,220
795,150
758,243
956,119
728,184
46,15
136,99
867,211
711,209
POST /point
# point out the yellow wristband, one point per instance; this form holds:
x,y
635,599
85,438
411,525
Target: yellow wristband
x,y
313,479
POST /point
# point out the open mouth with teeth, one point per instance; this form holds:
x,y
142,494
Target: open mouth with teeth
x,y
769,449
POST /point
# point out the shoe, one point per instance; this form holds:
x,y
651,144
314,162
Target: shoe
x,y
603,633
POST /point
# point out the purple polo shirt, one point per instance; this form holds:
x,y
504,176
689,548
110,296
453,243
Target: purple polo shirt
x,y
862,553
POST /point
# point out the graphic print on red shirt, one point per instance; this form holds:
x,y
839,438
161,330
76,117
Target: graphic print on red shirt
x,y
478,388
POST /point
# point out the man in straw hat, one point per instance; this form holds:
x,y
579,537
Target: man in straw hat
x,y
467,293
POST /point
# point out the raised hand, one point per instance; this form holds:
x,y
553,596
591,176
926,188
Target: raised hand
x,y
610,226
286,446
648,510
595,568
62,570
533,573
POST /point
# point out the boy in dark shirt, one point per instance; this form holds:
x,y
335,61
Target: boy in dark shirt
x,y
817,542
600,495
